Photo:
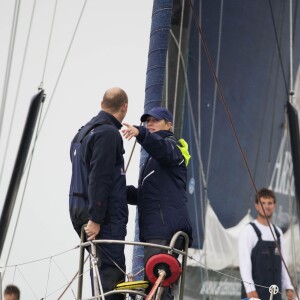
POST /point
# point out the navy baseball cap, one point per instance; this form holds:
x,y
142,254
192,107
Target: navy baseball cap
x,y
159,113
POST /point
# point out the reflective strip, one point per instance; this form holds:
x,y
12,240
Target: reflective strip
x,y
147,176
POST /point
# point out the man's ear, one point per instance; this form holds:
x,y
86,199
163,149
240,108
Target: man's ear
x,y
124,107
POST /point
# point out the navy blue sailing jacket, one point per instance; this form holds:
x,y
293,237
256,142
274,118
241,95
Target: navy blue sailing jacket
x,y
161,193
98,184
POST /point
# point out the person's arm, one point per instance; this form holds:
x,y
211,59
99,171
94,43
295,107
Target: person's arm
x,y
131,131
102,162
92,229
246,242
162,149
131,194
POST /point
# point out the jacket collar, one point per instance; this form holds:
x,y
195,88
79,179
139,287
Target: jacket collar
x,y
109,117
164,133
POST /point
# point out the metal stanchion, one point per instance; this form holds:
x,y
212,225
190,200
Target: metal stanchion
x,y
273,289
0,286
81,262
96,276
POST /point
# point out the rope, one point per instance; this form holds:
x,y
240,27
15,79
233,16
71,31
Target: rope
x,y
131,153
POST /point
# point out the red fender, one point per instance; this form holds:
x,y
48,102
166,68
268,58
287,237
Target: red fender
x,y
168,263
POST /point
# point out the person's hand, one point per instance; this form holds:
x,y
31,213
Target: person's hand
x,y
92,229
290,294
253,294
130,131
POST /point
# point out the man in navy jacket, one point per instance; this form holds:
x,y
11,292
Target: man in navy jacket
x,y
98,186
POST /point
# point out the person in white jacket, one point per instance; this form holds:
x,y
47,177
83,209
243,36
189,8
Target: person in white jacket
x,y
259,258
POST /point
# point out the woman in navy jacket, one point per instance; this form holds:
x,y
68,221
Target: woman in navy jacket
x,y
161,193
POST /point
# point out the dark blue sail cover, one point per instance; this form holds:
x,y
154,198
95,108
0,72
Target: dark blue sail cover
x,y
239,143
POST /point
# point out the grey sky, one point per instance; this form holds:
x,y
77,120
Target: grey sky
x,y
109,49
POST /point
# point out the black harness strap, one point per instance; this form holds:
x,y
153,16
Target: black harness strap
x,y
259,233
85,130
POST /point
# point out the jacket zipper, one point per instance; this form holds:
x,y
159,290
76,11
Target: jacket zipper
x,y
161,215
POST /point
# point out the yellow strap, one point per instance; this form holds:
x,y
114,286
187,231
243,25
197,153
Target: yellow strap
x,y
132,285
184,149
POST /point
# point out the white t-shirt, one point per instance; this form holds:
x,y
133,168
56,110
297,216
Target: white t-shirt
x,y
247,241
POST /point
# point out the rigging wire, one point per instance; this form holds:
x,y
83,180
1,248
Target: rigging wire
x,y
50,259
17,267
276,36
71,281
197,140
27,283
18,89
69,284
202,193
42,259
48,277
271,140
215,93
68,51
221,93
291,91
278,47
213,121
178,62
37,134
291,52
9,61
208,56
63,65
39,122
204,266
49,42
